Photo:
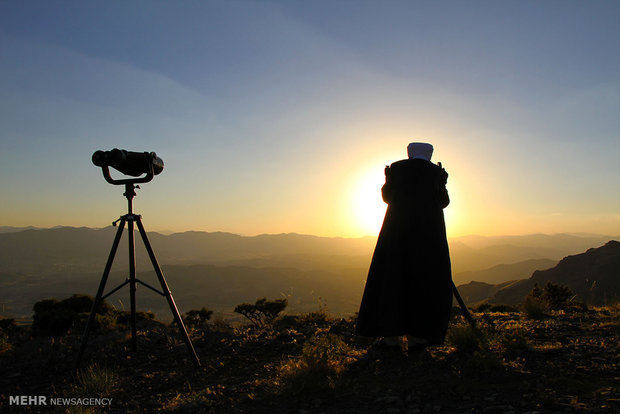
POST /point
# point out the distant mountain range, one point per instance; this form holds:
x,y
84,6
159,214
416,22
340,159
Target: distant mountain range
x,y
503,272
220,270
70,249
12,229
594,276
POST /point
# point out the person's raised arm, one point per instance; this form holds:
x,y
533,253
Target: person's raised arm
x,y
386,190
442,191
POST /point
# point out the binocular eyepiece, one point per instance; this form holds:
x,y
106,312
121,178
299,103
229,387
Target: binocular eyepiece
x,y
129,162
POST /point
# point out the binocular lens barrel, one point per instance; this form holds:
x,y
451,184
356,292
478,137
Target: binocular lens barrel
x,y
129,162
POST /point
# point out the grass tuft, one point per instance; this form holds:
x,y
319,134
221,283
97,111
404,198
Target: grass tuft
x,y
96,381
93,382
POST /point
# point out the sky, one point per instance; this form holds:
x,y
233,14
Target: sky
x,y
280,116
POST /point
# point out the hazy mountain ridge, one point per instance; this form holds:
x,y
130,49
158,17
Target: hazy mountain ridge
x,y
594,276
504,272
13,229
85,249
223,269
220,288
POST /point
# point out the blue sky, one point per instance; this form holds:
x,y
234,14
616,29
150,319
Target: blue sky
x,y
279,116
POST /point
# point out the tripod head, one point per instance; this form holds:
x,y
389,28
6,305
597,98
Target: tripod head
x,y
129,163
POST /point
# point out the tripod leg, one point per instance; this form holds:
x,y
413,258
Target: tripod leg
x,y
164,286
97,301
132,284
466,313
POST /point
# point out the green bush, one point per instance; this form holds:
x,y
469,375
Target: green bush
x,y
557,296
84,303
263,311
106,321
554,296
124,317
54,322
55,318
198,317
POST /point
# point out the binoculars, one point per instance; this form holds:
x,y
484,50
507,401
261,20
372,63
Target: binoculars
x,y
129,163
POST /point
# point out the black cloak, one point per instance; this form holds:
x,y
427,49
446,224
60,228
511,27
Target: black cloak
x,y
409,285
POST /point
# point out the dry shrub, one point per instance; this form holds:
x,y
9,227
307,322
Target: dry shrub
x,y
466,339
323,358
314,317
534,308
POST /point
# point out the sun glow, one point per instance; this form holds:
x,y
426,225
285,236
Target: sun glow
x,y
368,206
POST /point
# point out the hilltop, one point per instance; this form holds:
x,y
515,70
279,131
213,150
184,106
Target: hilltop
x,y
313,363
308,360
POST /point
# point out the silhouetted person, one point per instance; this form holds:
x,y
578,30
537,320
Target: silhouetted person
x,y
409,285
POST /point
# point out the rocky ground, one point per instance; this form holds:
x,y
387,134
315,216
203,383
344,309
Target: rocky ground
x,y
304,364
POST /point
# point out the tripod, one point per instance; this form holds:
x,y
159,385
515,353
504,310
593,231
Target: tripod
x,y
466,313
129,219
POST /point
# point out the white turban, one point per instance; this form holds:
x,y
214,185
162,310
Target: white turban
x,y
421,150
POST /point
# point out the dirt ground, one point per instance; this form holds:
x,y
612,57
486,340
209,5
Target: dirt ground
x,y
568,362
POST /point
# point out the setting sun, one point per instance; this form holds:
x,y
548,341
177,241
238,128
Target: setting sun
x,y
368,206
